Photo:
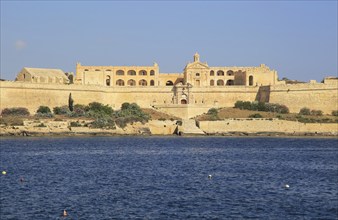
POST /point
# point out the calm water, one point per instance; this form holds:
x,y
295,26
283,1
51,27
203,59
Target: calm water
x,y
167,178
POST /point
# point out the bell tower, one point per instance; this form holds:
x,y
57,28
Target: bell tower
x,y
196,57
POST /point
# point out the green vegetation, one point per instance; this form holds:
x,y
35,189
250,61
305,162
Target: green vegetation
x,y
213,114
70,102
43,110
130,113
335,113
63,110
75,124
15,112
307,111
262,106
257,115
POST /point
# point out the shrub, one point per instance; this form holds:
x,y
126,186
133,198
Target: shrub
x,y
335,113
15,111
63,110
317,112
305,111
102,122
161,119
44,115
255,116
43,110
100,109
75,124
261,106
212,111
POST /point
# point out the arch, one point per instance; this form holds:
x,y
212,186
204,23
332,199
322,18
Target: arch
x,y
250,80
120,82
230,82
152,72
142,82
97,69
152,83
131,73
86,70
142,73
212,82
220,73
230,73
107,80
169,83
197,74
131,82
184,101
120,73
212,73
108,70
220,82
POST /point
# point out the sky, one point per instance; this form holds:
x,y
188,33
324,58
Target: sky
x,y
298,39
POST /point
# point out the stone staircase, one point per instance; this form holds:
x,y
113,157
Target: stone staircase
x,y
189,127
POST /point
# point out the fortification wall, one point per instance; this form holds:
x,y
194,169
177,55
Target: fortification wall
x,y
317,96
265,125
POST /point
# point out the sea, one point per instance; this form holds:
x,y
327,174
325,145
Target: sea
x,y
168,178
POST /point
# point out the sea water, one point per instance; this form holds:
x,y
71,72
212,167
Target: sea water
x,y
168,178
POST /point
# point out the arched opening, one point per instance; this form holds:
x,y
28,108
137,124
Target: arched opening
x,y
220,73
131,82
230,73
24,76
152,72
152,83
131,73
197,74
197,83
169,83
120,82
212,82
142,73
107,80
212,73
250,80
142,82
108,70
230,82
97,70
183,101
86,70
120,73
220,82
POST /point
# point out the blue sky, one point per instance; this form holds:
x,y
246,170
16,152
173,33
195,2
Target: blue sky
x,y
296,38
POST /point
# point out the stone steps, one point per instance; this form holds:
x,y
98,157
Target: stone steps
x,y
189,127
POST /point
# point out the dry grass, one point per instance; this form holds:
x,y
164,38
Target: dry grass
x,y
155,115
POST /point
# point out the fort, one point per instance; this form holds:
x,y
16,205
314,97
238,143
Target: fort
x,y
187,94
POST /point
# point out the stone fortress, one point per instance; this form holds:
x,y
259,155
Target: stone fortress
x,y
198,88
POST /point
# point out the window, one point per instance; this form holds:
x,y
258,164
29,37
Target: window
x,y
212,73
120,72
120,82
212,82
152,83
131,73
131,82
142,73
250,80
108,70
97,70
230,82
197,74
152,72
86,70
220,73
169,83
220,82
107,80
142,82
230,73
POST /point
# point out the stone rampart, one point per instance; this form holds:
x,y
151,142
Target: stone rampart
x,y
250,125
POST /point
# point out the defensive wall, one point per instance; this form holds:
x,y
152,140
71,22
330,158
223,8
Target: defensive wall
x,y
251,125
319,96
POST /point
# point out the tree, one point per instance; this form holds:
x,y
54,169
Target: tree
x,y
70,102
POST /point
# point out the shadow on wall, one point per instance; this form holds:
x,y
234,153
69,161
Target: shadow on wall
x,y
263,94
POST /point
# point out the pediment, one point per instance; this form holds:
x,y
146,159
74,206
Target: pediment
x,y
197,65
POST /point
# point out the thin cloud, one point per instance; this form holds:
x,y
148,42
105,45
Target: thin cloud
x,y
20,44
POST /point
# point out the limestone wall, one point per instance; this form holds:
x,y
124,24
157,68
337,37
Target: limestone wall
x,y
266,125
317,96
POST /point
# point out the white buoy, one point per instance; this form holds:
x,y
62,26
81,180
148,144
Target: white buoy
x,y
287,186
209,176
4,172
65,213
